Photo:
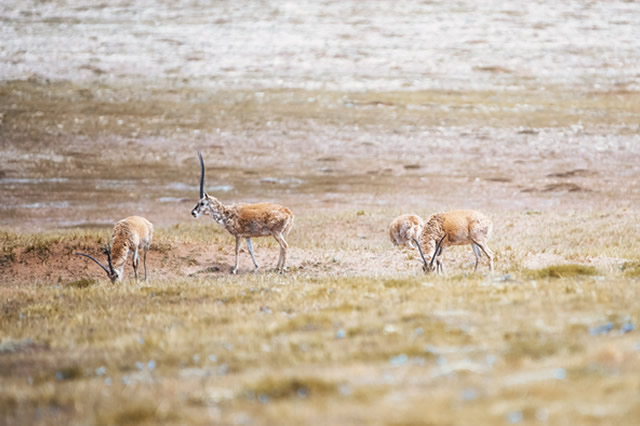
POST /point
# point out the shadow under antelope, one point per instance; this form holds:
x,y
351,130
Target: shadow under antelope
x,y
131,234
458,227
247,221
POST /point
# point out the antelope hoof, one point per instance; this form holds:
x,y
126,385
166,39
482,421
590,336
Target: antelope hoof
x,y
234,270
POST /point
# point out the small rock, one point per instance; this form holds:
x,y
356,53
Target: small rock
x,y
303,393
266,310
390,329
469,394
601,329
515,417
399,360
345,390
627,327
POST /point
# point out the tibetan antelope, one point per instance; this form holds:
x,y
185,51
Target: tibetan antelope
x,y
404,229
131,234
247,221
454,228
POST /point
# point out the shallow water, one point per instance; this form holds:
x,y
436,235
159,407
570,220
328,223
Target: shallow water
x,y
316,104
327,45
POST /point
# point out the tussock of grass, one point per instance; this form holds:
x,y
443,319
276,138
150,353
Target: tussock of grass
x,y
533,347
282,387
562,271
81,283
406,282
307,322
69,373
631,269
132,413
162,292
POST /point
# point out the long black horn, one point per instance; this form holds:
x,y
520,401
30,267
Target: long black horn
x,y
201,175
420,250
94,259
437,251
107,251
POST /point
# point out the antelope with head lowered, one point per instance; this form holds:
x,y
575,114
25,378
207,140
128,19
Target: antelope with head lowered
x,y
247,221
405,229
458,227
131,234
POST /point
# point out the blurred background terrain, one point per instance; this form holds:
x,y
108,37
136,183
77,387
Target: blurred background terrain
x,y
317,104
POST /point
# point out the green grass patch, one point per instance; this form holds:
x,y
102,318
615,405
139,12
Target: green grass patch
x,y
81,283
562,271
69,373
401,282
631,269
272,387
134,413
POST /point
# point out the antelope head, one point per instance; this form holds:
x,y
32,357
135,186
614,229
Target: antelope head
x,y
112,273
206,204
428,266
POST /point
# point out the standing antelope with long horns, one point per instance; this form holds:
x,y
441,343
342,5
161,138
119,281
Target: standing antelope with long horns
x,y
458,227
247,221
131,234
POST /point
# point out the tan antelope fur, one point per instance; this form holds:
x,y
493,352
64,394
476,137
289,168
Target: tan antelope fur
x,y
247,221
404,229
131,234
454,228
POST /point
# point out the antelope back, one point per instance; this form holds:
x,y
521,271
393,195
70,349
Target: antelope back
x,y
464,226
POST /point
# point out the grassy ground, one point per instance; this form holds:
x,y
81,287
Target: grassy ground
x,y
354,333
527,115
364,338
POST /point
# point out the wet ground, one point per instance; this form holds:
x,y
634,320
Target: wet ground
x,y
318,105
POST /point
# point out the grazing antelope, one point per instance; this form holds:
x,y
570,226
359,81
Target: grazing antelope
x,y
404,229
458,227
133,233
247,221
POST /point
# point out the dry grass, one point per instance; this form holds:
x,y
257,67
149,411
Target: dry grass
x,y
355,326
563,271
